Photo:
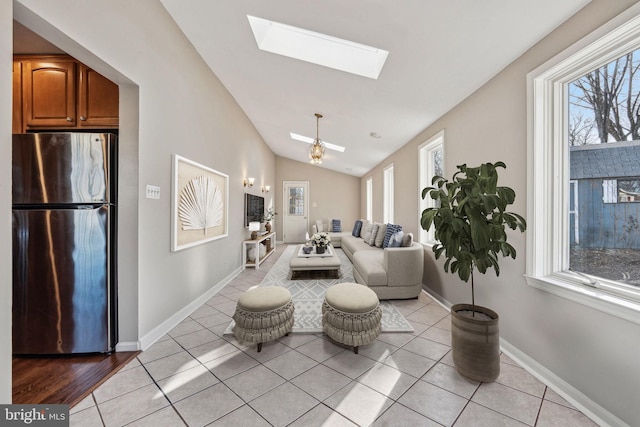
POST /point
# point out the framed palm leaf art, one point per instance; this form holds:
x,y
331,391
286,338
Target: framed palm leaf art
x,y
200,204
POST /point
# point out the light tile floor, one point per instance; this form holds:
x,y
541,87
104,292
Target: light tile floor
x,y
195,376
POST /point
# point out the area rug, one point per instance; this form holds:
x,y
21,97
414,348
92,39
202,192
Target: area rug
x,y
308,295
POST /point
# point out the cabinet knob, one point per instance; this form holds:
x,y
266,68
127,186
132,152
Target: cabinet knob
x,y
69,119
83,118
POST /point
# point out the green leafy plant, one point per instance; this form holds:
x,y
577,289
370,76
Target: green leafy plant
x,y
269,214
470,220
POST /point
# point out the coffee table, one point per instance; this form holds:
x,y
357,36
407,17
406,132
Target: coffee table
x,y
302,265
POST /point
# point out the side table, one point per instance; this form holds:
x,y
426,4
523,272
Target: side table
x,y
247,244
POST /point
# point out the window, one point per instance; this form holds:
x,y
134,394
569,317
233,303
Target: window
x,y
577,215
369,199
430,164
388,194
629,190
621,191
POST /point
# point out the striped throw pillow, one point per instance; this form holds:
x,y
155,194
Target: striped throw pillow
x,y
391,230
336,226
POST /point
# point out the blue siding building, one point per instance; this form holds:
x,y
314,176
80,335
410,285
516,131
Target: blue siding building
x,y
605,195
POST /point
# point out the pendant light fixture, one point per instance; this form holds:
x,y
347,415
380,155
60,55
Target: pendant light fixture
x,y
316,151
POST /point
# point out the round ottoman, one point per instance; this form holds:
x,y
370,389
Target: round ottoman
x,y
351,314
263,314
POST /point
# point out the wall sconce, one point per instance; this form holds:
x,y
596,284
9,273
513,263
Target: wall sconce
x,y
266,188
249,182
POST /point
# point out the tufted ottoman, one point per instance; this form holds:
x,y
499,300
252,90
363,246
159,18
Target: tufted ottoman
x,y
263,314
351,314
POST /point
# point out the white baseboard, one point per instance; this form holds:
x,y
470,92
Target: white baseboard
x,y
128,346
572,395
159,331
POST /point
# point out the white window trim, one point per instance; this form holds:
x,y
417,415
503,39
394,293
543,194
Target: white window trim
x,y
369,213
426,172
388,195
548,160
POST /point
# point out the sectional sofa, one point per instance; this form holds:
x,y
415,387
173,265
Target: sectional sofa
x,y
391,272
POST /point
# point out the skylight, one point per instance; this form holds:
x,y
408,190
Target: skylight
x,y
318,48
308,140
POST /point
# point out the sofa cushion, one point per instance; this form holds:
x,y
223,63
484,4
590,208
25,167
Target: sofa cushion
x,y
319,226
391,229
371,241
370,266
357,228
382,230
366,231
336,226
351,245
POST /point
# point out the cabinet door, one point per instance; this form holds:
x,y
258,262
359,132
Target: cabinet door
x,y
98,99
49,96
17,98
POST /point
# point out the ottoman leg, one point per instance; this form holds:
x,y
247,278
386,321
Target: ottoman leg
x,y
355,349
259,347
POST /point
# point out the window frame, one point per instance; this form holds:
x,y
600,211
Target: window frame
x,y
388,195
548,170
369,201
426,172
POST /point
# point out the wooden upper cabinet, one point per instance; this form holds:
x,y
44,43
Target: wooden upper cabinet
x,y
49,93
59,92
17,98
98,99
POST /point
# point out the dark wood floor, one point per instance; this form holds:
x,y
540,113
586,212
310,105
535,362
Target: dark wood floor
x,y
65,379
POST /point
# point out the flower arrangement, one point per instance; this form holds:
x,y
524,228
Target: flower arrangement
x,y
269,214
321,239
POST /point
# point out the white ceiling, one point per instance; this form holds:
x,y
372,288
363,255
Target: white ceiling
x,y
440,52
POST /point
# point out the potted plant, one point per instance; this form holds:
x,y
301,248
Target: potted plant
x,y
470,221
267,217
321,240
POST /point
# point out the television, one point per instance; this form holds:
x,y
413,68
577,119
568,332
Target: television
x,y
253,208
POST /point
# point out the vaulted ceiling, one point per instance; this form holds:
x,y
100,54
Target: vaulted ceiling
x,y
439,53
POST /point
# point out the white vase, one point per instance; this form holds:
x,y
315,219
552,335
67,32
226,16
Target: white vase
x,y
251,254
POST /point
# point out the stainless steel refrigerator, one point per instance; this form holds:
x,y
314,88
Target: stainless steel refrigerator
x,y
64,246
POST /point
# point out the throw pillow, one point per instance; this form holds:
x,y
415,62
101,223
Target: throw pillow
x,y
396,239
336,225
357,228
366,231
372,237
391,230
407,240
382,230
319,226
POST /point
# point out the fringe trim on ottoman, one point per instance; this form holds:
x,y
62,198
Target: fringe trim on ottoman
x,y
260,327
354,329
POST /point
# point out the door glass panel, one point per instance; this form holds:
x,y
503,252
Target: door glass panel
x,y
296,201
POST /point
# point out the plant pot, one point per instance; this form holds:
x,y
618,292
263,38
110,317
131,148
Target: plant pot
x,y
475,342
320,249
267,226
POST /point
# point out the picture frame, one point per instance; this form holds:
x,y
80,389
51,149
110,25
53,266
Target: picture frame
x,y
200,204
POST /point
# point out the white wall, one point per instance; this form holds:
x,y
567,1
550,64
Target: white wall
x,y
171,103
593,355
6,51
334,194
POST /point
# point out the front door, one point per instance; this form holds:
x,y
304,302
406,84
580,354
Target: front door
x,y
295,222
